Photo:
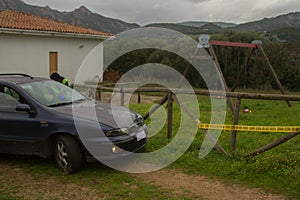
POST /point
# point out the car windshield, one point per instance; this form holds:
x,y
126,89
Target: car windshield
x,y
52,94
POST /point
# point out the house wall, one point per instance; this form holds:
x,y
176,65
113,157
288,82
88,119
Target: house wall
x,y
30,54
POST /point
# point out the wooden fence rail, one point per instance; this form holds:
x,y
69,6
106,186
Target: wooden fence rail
x,y
171,97
242,95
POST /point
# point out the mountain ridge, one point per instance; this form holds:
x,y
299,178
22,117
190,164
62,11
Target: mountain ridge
x,y
288,20
81,16
203,23
285,26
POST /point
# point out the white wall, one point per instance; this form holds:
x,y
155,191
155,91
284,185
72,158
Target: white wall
x,y
30,54
92,65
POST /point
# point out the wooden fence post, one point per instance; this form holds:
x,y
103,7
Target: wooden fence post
x,y
139,95
235,122
170,116
98,93
122,96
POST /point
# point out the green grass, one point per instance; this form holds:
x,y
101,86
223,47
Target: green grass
x,y
277,170
105,181
5,196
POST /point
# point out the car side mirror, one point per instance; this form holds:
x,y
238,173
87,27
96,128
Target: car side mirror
x,y
23,108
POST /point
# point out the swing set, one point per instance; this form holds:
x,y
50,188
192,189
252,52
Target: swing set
x,y
205,42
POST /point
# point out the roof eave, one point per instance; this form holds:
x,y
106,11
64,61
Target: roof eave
x,y
53,33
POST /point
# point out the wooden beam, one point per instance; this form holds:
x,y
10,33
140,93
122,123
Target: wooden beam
x,y
233,44
273,73
273,144
243,95
213,54
157,106
217,146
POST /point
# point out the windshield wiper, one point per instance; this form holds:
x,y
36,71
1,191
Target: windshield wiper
x,y
60,104
66,103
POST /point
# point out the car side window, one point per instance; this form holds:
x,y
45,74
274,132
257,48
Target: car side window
x,y
9,99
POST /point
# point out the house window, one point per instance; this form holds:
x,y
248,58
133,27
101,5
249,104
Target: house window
x,y
53,62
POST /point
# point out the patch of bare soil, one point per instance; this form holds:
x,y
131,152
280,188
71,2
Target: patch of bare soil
x,y
20,184
199,187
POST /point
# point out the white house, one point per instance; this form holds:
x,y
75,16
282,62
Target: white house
x,y
40,46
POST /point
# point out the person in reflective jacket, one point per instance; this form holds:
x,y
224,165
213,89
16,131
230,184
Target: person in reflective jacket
x,y
55,76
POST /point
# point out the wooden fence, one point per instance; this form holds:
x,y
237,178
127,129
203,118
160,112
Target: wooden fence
x,y
170,98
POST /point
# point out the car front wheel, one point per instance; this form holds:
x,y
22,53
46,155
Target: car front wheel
x,y
67,154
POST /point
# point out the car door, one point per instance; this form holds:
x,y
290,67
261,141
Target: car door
x,y
19,130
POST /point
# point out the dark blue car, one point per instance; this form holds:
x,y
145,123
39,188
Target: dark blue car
x,y
37,118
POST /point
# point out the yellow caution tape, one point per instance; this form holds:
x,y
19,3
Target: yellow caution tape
x,y
282,129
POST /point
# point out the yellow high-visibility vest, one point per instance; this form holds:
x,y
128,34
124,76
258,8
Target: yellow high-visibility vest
x,y
65,81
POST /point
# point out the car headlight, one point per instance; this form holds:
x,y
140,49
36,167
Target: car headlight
x,y
137,119
117,132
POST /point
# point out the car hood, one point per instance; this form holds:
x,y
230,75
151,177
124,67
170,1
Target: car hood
x,y
105,113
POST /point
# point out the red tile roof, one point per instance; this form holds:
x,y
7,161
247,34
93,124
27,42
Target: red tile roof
x,y
17,20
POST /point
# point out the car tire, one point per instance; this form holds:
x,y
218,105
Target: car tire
x,y
67,154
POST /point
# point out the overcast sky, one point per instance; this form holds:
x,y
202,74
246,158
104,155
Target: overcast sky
x,y
149,11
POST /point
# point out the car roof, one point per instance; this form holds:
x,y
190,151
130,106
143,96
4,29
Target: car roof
x,y
20,78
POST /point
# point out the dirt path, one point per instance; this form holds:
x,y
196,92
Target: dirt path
x,y
199,187
20,184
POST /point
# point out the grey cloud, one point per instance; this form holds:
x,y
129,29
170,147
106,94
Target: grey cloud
x,y
148,11
196,1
